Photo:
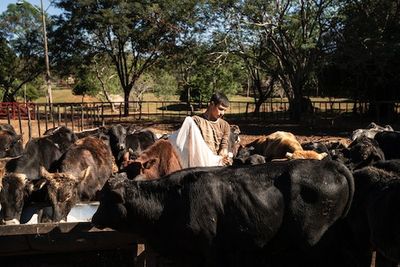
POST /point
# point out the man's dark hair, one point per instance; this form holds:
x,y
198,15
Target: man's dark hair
x,y
219,98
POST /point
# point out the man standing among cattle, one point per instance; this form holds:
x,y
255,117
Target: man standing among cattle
x,y
203,140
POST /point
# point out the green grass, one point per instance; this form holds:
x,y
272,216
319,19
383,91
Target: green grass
x,y
66,96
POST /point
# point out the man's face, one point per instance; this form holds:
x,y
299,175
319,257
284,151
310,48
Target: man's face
x,y
216,111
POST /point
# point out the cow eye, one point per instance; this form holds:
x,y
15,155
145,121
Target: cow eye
x,y
309,195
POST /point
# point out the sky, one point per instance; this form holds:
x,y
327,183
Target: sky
x,y
50,9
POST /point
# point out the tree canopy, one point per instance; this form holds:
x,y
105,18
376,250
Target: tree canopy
x,y
21,59
335,48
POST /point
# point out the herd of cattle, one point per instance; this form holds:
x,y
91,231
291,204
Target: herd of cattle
x,y
281,203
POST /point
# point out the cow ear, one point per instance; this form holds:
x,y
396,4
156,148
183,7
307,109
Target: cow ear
x,y
44,173
148,164
289,155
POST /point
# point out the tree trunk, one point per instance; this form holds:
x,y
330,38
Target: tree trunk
x,y
295,108
126,102
7,97
263,93
296,103
127,91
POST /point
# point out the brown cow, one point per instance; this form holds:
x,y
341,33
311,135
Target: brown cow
x,y
84,169
278,144
156,161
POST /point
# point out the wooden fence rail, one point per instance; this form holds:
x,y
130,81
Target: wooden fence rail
x,y
38,118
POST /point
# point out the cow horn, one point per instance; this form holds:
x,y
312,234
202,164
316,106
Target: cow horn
x,y
44,173
85,173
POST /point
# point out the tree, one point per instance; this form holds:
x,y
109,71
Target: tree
x,y
165,85
365,62
246,42
134,34
106,77
283,39
21,52
85,86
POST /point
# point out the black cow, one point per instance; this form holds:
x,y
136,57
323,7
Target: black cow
x,y
139,141
371,224
85,167
10,144
375,216
244,156
230,216
370,132
117,136
362,152
389,142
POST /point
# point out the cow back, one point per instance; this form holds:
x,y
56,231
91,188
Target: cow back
x,y
89,152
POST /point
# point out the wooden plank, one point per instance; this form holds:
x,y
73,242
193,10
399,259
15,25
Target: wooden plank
x,y
61,238
45,228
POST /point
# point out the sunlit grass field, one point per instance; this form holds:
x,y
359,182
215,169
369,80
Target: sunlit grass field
x,y
153,104
66,96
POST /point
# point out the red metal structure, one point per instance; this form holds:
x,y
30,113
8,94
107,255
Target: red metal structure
x,y
15,110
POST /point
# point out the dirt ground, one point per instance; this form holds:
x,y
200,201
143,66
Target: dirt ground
x,y
249,131
252,131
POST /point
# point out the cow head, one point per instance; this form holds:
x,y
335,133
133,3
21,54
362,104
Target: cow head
x,y
15,189
62,189
318,194
362,152
112,211
117,134
143,169
10,144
